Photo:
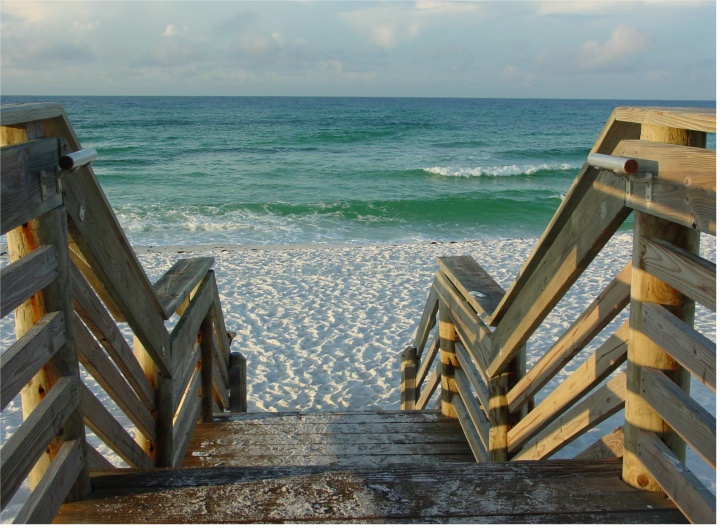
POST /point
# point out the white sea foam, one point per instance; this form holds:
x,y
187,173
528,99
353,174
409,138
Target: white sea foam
x,y
497,170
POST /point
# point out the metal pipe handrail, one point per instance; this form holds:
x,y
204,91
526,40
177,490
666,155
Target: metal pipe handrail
x,y
616,164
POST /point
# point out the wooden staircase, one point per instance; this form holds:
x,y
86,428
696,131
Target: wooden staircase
x,y
375,466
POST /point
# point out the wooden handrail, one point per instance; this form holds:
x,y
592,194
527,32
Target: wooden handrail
x,y
485,385
76,278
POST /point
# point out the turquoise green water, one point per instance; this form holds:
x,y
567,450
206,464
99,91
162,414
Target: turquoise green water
x,y
189,170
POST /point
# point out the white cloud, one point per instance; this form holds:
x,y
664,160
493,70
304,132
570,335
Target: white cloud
x,y
85,26
384,27
624,43
171,30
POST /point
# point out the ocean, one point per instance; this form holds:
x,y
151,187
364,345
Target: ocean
x,y
305,170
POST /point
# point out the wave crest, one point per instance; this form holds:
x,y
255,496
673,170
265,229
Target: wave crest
x,y
498,170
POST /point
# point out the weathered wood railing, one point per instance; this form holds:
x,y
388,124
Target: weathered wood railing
x,y
72,278
482,330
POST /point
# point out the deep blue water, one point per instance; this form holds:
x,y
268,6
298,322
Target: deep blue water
x,y
284,170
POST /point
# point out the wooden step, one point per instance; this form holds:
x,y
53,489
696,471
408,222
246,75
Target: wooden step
x,y
354,438
516,492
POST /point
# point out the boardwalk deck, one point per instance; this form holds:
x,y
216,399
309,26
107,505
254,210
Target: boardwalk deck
x,y
359,467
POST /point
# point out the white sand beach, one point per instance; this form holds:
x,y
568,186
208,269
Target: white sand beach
x,y
322,328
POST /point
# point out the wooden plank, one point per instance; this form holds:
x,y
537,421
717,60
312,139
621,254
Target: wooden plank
x,y
700,119
427,321
429,389
601,404
96,285
477,287
46,498
683,187
31,438
185,373
685,490
238,383
21,113
476,381
427,360
603,362
691,421
366,494
609,446
106,427
93,314
686,345
185,334
25,357
187,417
221,363
690,274
99,365
206,366
25,277
613,299
472,331
176,284
471,433
219,320
474,413
21,185
595,219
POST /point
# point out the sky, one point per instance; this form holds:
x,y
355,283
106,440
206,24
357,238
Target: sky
x,y
660,49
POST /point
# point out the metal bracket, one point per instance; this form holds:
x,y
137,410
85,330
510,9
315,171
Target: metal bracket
x,y
647,179
50,184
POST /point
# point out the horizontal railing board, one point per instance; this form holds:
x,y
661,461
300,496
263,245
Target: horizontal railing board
x,y
687,417
683,187
107,428
471,371
27,355
21,113
101,324
683,488
603,362
472,331
100,366
46,498
690,118
21,187
477,287
473,411
471,434
686,345
595,408
176,283
25,277
691,275
30,440
593,222
611,301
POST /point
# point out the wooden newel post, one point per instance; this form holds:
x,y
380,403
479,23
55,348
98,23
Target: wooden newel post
x,y
448,359
408,373
642,351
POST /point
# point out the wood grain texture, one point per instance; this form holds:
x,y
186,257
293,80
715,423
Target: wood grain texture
x,y
609,446
25,357
21,113
473,375
700,119
686,345
424,493
477,287
685,490
428,320
431,384
471,433
174,287
428,359
25,277
475,414
185,334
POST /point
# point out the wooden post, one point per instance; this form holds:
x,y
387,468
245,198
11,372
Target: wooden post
x,y
448,360
408,372
51,229
642,352
499,417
